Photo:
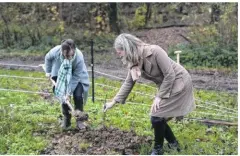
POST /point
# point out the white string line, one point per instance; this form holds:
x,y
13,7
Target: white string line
x,y
2,89
185,118
196,100
132,91
7,64
34,78
23,77
121,78
142,104
223,111
23,91
199,119
210,103
102,99
116,88
107,75
87,70
213,114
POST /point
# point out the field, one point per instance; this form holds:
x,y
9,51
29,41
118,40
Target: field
x,y
30,121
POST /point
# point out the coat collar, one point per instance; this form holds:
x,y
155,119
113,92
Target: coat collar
x,y
147,51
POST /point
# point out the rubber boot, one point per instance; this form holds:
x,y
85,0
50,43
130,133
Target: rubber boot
x,y
172,141
66,123
174,145
78,100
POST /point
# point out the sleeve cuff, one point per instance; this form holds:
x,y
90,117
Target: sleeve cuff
x,y
119,101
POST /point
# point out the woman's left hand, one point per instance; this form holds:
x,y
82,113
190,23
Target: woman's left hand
x,y
156,104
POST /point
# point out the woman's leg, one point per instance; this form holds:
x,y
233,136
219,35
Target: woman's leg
x,y
65,111
159,126
169,134
172,141
78,101
78,97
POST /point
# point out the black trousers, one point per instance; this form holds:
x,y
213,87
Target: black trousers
x,y
77,98
161,131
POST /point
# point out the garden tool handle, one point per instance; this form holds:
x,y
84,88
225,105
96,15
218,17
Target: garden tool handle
x,y
69,105
53,82
44,68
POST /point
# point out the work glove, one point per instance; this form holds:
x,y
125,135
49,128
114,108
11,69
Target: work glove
x,y
108,105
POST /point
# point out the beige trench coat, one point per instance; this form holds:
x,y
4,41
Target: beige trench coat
x,y
174,83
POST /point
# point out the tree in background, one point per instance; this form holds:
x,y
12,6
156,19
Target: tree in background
x,y
113,18
213,26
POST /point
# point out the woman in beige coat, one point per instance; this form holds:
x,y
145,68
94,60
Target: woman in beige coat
x,y
175,91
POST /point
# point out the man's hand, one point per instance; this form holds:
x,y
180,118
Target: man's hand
x,y
108,105
156,104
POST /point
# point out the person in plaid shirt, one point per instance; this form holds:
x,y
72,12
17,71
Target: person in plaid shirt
x,y
65,65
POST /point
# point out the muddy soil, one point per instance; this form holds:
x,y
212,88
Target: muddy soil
x,y
98,141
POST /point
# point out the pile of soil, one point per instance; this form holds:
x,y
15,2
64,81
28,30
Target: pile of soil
x,y
98,141
165,37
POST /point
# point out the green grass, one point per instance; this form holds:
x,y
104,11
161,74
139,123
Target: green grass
x,y
27,121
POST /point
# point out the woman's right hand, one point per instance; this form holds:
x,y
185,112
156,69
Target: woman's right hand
x,y
108,105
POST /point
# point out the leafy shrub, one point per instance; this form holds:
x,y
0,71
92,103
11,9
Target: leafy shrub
x,y
139,18
197,56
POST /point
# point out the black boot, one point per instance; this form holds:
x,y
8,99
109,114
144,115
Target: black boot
x,y
78,101
157,150
66,123
174,145
172,141
159,126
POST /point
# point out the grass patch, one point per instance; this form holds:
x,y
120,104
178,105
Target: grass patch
x,y
28,120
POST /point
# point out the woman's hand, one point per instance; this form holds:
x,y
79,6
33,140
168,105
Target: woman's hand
x,y
108,105
156,104
68,97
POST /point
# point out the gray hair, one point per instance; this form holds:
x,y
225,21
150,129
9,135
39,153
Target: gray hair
x,y
130,45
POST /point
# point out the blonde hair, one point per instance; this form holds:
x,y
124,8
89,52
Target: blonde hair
x,y
130,45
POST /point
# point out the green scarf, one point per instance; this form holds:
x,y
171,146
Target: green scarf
x,y
64,76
